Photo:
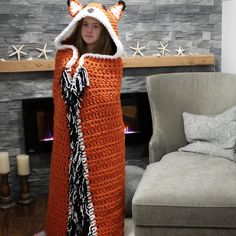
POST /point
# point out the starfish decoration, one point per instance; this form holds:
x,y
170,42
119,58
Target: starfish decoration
x,y
43,51
163,49
17,52
180,51
137,50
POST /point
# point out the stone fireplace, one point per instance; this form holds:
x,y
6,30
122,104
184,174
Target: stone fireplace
x,y
38,122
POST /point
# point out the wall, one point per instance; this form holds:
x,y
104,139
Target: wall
x,y
229,36
195,25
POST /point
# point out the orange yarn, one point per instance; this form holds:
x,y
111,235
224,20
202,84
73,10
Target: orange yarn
x,y
56,221
87,181
103,132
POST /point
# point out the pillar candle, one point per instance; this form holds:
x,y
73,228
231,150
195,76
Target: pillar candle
x,y
22,163
4,163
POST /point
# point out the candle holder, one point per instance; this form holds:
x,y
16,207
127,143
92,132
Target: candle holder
x,y
25,197
5,194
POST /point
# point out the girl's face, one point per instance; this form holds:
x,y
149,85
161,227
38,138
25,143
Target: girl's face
x,y
91,31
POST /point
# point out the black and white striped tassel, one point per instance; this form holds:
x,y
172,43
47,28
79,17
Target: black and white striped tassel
x,y
73,86
79,217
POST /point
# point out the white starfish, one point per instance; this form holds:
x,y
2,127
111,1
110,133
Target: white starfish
x,y
180,51
163,49
17,52
43,51
137,50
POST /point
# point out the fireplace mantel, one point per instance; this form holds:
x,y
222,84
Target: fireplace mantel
x,y
129,62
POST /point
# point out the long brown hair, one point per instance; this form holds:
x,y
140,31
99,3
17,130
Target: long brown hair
x,y
104,46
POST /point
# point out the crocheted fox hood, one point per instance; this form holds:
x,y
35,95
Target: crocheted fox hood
x,y
87,175
108,17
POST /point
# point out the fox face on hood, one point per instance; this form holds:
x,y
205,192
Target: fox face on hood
x,y
108,17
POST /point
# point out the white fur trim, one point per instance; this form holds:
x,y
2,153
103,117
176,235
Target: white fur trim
x,y
75,7
100,16
116,11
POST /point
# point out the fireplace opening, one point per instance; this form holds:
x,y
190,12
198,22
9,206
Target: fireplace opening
x,y
38,121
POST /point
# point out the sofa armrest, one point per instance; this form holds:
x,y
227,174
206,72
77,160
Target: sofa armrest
x,y
157,146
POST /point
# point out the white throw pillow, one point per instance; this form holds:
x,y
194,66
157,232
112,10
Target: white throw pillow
x,y
211,134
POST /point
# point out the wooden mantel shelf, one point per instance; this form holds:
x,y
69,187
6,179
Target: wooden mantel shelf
x,y
129,62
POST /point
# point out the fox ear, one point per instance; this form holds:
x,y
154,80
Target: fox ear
x,y
118,9
74,7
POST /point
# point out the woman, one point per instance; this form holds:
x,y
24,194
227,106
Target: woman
x,y
86,195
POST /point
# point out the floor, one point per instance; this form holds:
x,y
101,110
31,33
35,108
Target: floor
x,y
27,220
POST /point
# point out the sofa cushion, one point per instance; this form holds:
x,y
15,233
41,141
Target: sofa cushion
x,y
214,135
211,149
187,189
183,231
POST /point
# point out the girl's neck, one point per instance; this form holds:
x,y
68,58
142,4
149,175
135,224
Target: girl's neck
x,y
90,48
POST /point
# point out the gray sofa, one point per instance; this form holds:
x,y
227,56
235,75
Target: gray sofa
x,y
186,193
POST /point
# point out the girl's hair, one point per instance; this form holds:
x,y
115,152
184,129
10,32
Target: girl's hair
x,y
105,44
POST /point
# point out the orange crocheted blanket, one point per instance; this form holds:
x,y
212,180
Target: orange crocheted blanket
x,y
87,180
103,133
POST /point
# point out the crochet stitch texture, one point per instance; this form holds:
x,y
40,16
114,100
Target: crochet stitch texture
x,y
87,180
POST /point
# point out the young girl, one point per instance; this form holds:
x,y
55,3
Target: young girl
x,y
87,181
92,37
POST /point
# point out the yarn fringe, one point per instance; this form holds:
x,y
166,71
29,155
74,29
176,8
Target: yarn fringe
x,y
81,212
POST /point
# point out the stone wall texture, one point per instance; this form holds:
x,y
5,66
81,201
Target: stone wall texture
x,y
195,25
